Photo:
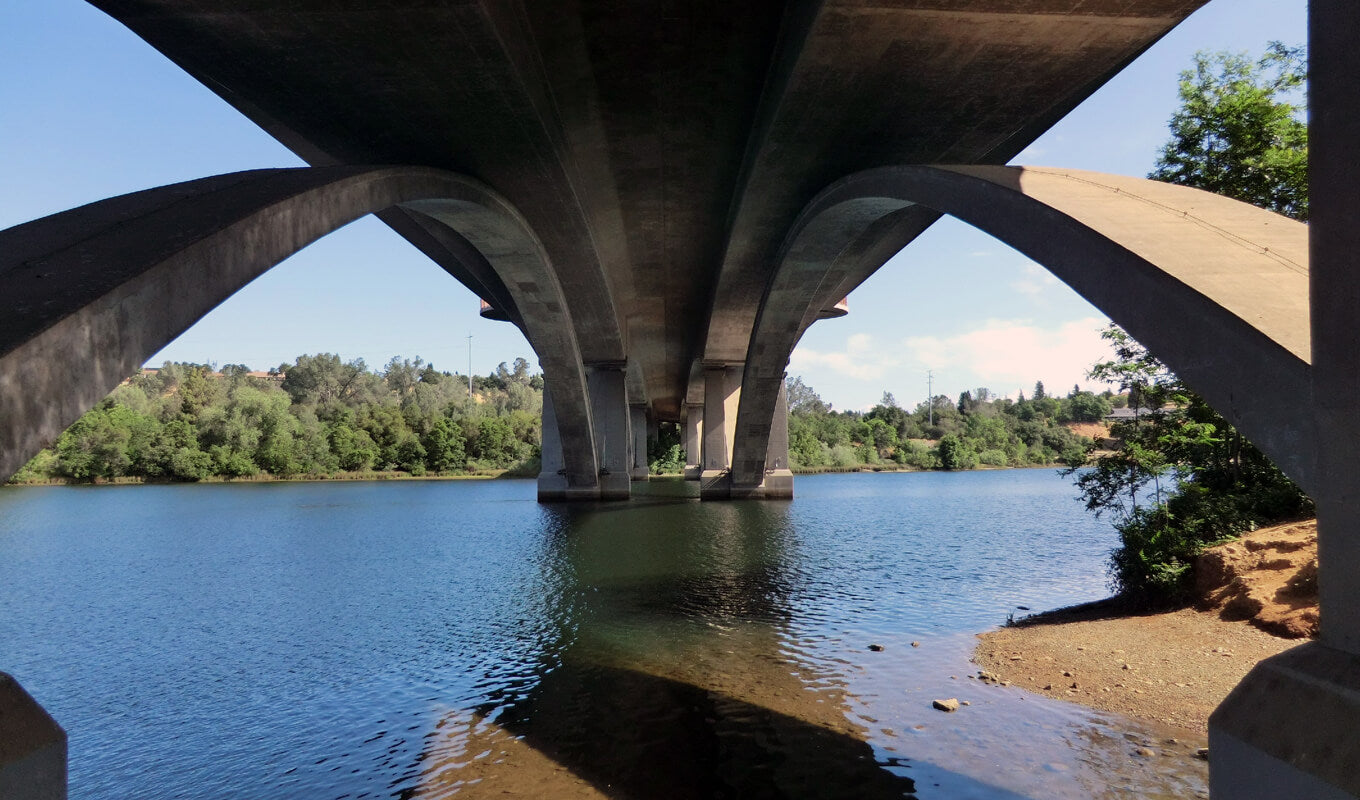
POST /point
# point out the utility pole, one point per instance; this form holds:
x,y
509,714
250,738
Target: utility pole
x,y
930,397
469,338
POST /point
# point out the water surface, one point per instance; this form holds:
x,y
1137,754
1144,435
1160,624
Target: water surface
x,y
425,639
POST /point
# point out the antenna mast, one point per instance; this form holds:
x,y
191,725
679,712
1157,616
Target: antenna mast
x,y
930,397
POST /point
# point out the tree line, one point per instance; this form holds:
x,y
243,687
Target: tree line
x,y
979,429
318,415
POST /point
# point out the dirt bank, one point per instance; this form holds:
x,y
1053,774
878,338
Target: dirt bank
x,y
1173,667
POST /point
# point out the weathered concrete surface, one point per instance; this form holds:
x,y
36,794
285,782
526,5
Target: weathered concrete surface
x,y
32,747
1289,729
637,422
613,438
92,293
1218,289
694,433
722,393
659,151
1334,182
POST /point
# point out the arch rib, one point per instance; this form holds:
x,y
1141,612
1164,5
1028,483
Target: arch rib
x,y
95,291
1218,289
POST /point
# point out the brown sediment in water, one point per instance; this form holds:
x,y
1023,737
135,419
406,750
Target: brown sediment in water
x,y
686,728
1172,667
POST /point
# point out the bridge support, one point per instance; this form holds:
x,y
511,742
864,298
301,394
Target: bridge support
x,y
772,480
609,413
769,479
722,391
694,448
1290,728
552,477
637,422
32,747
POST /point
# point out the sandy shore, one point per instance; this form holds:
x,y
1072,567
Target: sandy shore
x,y
1173,667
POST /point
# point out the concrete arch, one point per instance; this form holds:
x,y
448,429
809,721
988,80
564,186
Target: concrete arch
x,y
1216,288
95,291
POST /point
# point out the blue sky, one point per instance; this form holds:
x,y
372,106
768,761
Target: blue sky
x,y
88,111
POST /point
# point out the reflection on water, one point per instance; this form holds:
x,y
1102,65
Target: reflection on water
x,y
438,639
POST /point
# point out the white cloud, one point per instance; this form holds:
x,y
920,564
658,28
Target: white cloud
x,y
858,359
1033,280
1017,352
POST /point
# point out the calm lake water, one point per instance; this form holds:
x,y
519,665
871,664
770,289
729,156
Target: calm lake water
x,y
424,639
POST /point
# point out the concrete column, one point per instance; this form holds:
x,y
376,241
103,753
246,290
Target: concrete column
x,y
776,480
694,448
609,412
1334,244
32,747
637,421
722,391
778,476
1292,727
552,475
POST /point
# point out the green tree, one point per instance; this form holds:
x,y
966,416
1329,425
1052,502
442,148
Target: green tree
x,y
1241,131
444,446
1087,407
1180,478
802,399
955,453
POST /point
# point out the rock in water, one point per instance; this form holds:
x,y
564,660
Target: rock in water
x,y
952,704
877,648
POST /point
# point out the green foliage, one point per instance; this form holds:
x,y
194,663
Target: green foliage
x,y
444,446
978,429
1088,407
184,422
665,456
1241,129
1180,478
955,453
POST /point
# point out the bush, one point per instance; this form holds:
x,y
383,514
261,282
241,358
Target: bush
x,y
955,453
994,458
843,456
669,462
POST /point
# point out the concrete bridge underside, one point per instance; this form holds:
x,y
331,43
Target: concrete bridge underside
x,y
664,209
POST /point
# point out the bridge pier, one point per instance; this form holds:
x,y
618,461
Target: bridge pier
x,y
1289,729
719,481
637,422
778,481
605,383
694,433
722,391
553,483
